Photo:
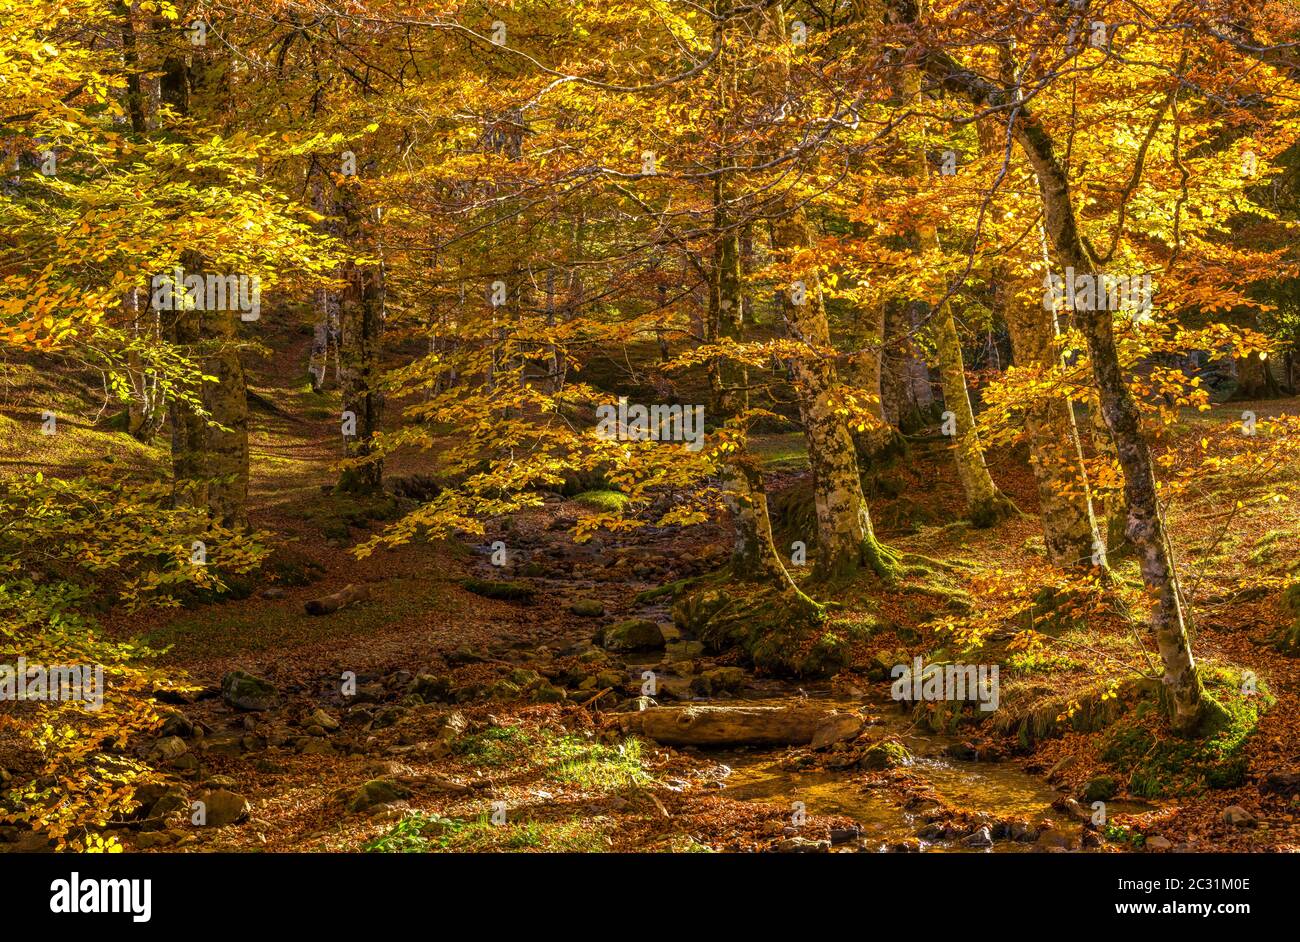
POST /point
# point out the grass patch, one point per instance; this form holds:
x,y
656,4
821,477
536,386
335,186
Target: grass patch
x,y
593,765
499,745
421,833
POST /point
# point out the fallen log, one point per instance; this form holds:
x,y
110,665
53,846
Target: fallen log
x,y
328,604
750,725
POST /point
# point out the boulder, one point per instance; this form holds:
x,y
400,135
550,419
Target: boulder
x,y
223,807
377,792
243,691
635,634
1238,817
588,608
838,727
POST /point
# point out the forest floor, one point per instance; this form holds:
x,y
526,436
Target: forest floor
x,y
469,707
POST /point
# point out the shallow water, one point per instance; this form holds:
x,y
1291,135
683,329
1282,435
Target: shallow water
x,y
1000,789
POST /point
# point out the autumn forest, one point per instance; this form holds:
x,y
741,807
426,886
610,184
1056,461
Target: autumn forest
x,y
778,426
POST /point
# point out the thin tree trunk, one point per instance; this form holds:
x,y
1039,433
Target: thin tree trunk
x,y
1065,508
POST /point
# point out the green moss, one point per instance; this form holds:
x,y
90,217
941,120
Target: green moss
x,y
1159,764
785,633
506,591
886,754
605,501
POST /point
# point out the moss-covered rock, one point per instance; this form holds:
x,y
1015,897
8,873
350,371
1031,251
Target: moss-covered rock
x,y
886,754
588,608
784,633
635,634
376,792
506,591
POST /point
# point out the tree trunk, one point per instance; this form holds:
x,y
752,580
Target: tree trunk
x,y
1145,527
845,540
1064,501
984,502
209,453
718,726
361,327
1255,379
1188,701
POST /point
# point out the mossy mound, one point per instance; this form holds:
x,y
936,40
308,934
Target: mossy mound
x,y
505,591
784,633
1157,764
605,501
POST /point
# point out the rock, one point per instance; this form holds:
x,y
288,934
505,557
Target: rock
x,y
377,792
549,693
171,807
962,751
223,744
309,746
1101,788
636,634
176,723
223,807
430,688
588,608
1050,839
1022,832
838,727
683,650
272,593
451,726
1238,817
149,839
1072,807
168,748
978,838
886,754
245,692
844,835
802,845
324,719
718,680
1157,843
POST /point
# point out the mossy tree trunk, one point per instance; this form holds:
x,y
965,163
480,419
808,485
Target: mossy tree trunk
x,y
985,504
845,539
